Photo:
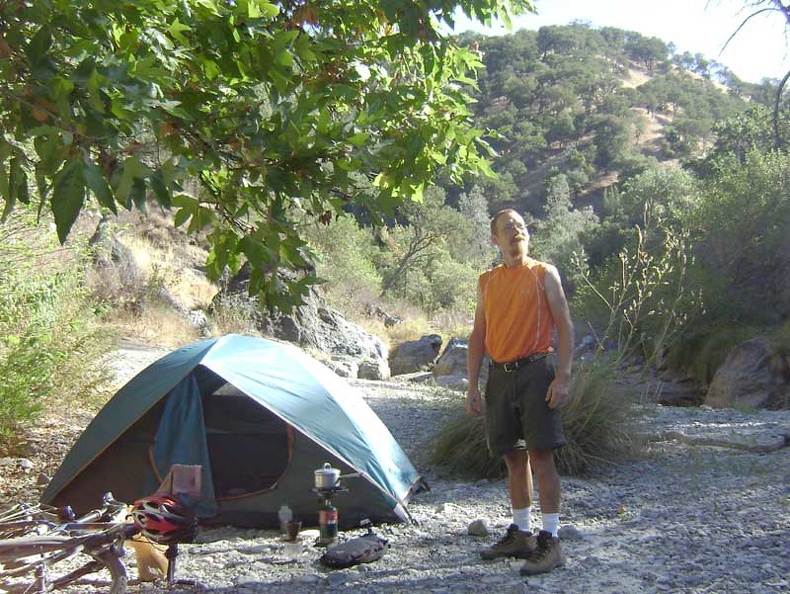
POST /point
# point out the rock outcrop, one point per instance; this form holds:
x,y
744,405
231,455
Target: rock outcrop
x,y
753,375
314,327
415,355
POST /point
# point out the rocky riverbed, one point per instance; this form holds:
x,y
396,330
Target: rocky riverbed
x,y
685,518
702,510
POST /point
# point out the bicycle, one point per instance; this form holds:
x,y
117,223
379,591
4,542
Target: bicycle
x,y
41,546
59,554
23,519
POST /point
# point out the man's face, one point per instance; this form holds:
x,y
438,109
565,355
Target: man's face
x,y
512,236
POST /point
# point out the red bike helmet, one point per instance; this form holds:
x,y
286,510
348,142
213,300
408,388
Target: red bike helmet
x,y
164,519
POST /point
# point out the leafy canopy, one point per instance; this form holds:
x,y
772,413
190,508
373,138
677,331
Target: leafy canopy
x,y
265,111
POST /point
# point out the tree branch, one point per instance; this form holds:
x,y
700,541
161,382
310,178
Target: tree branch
x,y
760,448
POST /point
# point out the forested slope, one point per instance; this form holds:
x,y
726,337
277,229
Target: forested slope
x,y
597,105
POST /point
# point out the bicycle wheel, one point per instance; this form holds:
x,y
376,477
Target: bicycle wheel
x,y
36,570
107,562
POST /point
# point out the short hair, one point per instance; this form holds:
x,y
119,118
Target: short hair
x,y
499,214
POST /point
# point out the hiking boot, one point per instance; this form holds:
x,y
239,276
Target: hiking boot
x,y
515,543
546,556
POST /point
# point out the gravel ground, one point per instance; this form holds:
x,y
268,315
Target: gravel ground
x,y
682,518
685,519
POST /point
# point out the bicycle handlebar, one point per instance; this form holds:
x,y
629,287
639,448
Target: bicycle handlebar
x,y
110,508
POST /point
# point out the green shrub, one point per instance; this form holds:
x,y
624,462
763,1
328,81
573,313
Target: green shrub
x,y
641,301
449,285
51,346
742,226
703,351
595,421
344,254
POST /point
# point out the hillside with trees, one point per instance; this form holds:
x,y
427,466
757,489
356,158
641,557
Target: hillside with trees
x,y
580,102
657,183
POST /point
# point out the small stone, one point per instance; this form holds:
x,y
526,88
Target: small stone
x,y
569,533
523,588
337,578
478,527
447,508
246,579
310,578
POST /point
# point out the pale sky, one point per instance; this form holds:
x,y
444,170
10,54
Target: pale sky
x,y
759,50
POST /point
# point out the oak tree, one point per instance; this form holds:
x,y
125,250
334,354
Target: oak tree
x,y
242,116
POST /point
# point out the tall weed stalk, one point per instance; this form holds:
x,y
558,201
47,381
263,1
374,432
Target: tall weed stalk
x,y
648,300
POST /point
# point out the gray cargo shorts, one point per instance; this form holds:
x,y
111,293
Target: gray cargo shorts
x,y
516,414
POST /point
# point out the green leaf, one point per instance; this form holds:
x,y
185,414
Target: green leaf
x,y
138,193
159,187
39,44
186,207
68,196
266,9
358,139
51,153
224,253
176,29
202,218
284,38
133,169
304,50
17,181
284,58
97,184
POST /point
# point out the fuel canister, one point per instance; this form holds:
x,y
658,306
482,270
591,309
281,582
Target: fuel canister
x,y
327,524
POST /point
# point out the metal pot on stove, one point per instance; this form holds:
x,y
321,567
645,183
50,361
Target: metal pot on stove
x,y
327,477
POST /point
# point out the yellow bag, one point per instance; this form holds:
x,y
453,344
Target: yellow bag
x,y
151,559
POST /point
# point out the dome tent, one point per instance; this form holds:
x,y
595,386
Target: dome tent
x,y
260,417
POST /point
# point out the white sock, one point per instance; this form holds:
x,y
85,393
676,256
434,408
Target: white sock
x,y
523,518
551,523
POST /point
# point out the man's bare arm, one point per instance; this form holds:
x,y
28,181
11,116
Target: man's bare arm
x,y
558,304
474,357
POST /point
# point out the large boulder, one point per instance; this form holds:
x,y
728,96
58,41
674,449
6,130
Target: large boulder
x,y
314,327
108,252
374,369
452,361
753,375
415,355
451,369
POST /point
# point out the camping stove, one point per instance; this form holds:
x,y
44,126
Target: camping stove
x,y
327,515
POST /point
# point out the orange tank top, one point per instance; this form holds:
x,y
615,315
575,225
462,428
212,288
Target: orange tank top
x,y
518,319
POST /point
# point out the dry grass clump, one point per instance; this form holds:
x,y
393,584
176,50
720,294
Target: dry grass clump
x,y
460,449
595,423
234,314
155,324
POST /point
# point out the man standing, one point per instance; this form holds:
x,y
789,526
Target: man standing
x,y
520,303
